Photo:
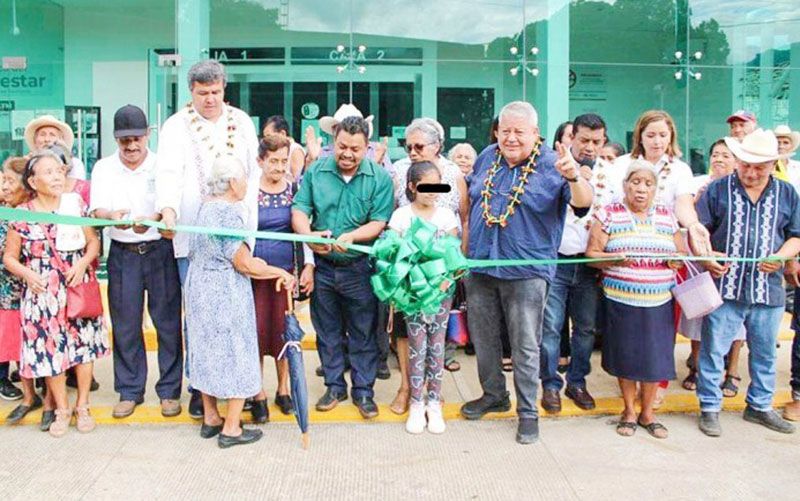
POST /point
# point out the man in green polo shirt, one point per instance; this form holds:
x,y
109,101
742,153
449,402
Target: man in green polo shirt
x,y
347,197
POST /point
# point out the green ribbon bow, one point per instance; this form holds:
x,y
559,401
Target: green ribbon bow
x,y
411,269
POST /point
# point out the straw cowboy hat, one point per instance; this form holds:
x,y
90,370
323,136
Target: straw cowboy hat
x,y
757,147
785,131
346,110
48,121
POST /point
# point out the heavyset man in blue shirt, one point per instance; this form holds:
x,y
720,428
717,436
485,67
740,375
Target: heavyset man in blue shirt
x,y
518,199
750,214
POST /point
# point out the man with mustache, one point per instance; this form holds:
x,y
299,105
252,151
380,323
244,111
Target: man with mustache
x,y
139,261
350,198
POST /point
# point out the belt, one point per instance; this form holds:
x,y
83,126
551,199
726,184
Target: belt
x,y
140,248
572,256
341,264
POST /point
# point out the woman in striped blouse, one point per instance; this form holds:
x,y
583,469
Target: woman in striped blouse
x,y
639,333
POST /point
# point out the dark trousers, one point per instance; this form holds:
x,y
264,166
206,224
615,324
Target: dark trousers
x,y
795,381
4,367
130,275
344,313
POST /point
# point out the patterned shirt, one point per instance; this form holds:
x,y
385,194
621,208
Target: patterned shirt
x,y
647,282
740,227
10,285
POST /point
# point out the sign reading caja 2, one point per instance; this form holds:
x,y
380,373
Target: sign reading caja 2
x,y
407,56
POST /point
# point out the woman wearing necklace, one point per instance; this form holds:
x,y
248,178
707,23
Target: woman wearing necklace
x,y
275,214
638,342
655,139
518,199
50,258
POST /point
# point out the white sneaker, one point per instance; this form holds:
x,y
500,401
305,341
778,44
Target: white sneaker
x,y
435,419
415,423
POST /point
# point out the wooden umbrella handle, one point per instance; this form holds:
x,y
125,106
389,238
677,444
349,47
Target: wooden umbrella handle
x,y
289,296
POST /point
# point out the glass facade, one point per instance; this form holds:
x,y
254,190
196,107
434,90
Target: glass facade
x,y
455,60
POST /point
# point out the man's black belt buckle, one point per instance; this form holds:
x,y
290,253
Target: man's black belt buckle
x,y
141,248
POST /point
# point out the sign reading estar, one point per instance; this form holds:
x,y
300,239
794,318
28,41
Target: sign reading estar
x,y
21,82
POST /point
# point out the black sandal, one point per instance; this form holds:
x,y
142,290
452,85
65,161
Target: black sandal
x,y
623,426
508,365
653,428
452,365
729,385
690,383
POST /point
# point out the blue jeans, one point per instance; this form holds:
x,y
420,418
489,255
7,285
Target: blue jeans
x,y
720,328
519,305
343,304
795,381
578,283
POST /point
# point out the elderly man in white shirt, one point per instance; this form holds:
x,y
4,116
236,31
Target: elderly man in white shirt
x,y
189,142
139,261
573,292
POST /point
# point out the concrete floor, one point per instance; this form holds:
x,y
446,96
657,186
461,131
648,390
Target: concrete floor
x,y
576,458
149,457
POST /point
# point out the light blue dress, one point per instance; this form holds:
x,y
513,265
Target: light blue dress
x,y
220,313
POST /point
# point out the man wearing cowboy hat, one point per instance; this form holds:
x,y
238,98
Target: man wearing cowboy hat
x,y
749,214
788,142
375,151
45,130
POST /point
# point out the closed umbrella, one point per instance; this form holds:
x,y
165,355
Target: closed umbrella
x,y
293,351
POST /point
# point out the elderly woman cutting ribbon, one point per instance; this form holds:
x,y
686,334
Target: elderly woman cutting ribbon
x,y
638,335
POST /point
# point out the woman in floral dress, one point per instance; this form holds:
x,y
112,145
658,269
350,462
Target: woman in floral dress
x,y
51,342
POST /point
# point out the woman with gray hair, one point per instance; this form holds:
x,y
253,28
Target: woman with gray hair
x,y
638,336
425,143
223,349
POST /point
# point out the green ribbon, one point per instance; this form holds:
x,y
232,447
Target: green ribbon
x,y
410,269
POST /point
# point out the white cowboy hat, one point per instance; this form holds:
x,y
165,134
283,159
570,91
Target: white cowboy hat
x,y
48,121
344,111
785,131
757,147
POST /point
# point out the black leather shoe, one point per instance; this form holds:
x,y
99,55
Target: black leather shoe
x,y
319,372
709,423
551,401
527,431
383,371
330,400
248,436
210,431
8,391
284,403
769,419
476,409
581,397
196,405
72,381
366,407
48,417
260,411
22,410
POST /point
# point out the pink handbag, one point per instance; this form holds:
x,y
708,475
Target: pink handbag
x,y
697,295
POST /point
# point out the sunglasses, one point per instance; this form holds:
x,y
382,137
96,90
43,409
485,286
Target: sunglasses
x,y
416,147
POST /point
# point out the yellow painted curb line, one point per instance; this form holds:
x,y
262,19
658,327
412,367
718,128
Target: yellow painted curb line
x,y
346,412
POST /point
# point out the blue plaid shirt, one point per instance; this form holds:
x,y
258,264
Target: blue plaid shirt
x,y
741,228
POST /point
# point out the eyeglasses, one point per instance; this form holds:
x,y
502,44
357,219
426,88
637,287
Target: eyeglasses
x,y
416,147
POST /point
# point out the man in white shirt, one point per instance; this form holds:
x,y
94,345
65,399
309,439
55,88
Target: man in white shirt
x,y
574,294
189,142
139,261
